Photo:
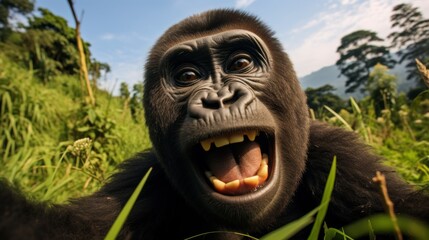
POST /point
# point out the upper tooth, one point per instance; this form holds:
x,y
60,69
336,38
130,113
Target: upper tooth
x,y
233,138
221,141
206,144
251,135
236,138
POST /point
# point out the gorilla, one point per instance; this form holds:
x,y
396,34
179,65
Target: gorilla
x,y
234,149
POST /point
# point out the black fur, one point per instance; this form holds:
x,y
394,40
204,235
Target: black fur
x,y
172,206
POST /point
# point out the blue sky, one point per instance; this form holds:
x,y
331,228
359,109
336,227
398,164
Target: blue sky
x,y
122,32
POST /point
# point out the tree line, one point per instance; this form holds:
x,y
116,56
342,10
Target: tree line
x,y
361,50
365,59
46,43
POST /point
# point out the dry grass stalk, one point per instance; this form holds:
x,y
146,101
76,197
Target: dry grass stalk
x,y
388,204
82,58
423,71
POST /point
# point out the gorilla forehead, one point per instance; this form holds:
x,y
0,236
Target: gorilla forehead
x,y
216,41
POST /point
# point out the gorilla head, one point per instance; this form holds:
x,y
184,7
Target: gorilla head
x,y
227,117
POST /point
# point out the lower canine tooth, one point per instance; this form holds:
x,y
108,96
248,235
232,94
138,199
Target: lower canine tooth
x,y
251,181
218,184
264,159
233,185
263,172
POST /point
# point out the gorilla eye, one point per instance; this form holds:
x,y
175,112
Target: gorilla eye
x,y
239,64
187,76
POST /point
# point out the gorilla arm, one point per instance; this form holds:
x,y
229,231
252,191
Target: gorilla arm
x,y
355,194
84,218
21,218
160,213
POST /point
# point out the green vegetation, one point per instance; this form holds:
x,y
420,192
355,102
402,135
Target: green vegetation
x,y
54,145
41,127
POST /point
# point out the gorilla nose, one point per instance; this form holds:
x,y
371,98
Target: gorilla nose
x,y
222,99
232,99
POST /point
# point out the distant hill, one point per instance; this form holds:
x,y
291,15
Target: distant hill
x,y
330,75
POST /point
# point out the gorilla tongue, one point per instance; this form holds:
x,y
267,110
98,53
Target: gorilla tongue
x,y
234,161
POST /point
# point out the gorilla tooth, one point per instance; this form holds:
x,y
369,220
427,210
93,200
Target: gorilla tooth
x,y
263,172
252,181
233,138
232,186
264,159
218,184
206,144
236,138
251,135
221,141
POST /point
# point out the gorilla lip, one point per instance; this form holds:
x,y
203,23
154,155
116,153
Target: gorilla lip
x,y
238,163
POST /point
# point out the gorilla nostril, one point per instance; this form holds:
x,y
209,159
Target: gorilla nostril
x,y
210,104
228,101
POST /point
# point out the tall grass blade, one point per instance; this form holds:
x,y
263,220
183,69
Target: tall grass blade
x,y
122,217
339,118
371,231
329,187
292,228
331,233
359,116
355,106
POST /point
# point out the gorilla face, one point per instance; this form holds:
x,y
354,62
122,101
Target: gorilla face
x,y
218,78
226,116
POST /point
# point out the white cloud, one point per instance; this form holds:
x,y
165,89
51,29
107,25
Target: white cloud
x,y
107,36
322,34
347,2
243,3
126,36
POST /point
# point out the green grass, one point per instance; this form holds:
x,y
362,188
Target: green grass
x,y
36,129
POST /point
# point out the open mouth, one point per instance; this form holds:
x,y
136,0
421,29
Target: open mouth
x,y
236,163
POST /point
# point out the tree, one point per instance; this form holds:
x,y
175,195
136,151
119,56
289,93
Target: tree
x,y
136,102
382,88
358,54
97,69
124,91
8,8
56,40
318,97
411,37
